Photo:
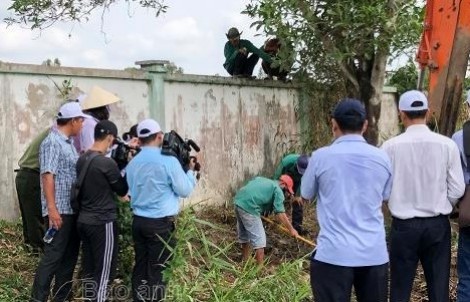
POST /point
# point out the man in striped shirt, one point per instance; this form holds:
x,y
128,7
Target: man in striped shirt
x,y
58,157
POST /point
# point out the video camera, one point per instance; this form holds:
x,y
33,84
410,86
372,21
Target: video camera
x,y
121,152
175,145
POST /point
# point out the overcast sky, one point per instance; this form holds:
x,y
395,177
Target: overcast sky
x,y
191,34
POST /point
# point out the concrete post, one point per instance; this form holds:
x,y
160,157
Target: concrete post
x,y
156,71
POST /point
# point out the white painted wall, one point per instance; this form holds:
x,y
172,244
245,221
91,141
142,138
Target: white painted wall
x,y
243,127
242,130
30,100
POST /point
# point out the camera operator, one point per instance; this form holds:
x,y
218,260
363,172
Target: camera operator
x,y
156,182
98,212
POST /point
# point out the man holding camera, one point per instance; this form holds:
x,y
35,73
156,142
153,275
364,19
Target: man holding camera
x,y
97,211
156,182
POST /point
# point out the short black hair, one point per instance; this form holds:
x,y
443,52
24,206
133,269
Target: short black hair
x,y
63,121
100,136
148,139
100,113
412,115
352,122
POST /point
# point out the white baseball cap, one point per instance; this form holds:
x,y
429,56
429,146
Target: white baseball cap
x,y
413,100
71,110
148,127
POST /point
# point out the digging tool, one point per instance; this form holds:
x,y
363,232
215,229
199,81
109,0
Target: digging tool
x,y
287,231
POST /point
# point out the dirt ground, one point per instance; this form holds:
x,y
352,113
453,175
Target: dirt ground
x,y
281,247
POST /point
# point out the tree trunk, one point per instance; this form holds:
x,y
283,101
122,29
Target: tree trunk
x,y
372,97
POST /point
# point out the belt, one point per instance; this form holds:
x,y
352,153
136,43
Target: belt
x,y
166,218
440,216
30,170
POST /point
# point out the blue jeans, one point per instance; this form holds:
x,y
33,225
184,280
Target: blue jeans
x,y
463,265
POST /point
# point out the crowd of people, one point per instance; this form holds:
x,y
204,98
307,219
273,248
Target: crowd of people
x,y
419,176
67,184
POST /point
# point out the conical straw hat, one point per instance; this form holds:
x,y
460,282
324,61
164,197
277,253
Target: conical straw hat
x,y
98,97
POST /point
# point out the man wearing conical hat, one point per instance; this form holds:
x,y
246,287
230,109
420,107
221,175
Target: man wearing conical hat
x,y
96,105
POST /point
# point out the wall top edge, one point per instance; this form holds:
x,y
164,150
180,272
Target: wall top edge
x,y
221,80
33,69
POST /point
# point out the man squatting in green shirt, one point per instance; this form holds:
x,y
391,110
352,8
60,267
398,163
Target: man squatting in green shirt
x,y
236,51
260,195
294,165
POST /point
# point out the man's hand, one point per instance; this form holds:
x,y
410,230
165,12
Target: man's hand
x,y
298,200
192,163
49,192
243,51
125,198
55,220
293,232
134,142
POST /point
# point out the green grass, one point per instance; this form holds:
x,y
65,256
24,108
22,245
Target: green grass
x,y
203,270
206,265
16,264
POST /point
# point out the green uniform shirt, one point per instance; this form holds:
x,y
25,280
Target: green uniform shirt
x,y
288,165
260,195
30,158
231,52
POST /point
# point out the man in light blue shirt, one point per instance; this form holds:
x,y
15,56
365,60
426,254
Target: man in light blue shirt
x,y
351,180
156,183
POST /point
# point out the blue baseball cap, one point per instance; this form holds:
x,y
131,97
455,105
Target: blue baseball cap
x,y
349,108
302,163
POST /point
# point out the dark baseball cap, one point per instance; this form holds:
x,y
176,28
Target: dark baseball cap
x,y
302,163
349,108
107,127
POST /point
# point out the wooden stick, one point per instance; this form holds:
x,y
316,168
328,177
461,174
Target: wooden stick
x,y
287,231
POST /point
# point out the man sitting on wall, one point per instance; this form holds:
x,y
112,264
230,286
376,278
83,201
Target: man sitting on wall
x,y
272,47
238,61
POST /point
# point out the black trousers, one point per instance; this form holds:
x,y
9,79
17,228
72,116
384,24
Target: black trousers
x,y
244,65
58,262
274,72
29,197
297,216
151,237
99,258
420,239
333,283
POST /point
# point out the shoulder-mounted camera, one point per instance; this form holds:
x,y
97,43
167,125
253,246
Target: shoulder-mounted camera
x,y
175,145
122,153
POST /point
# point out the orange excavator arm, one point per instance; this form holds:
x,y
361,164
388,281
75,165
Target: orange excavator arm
x,y
444,52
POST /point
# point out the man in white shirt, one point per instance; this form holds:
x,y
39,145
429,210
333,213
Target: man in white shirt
x,y
427,183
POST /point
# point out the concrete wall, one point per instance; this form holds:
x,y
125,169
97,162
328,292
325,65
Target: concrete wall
x,y
242,126
389,121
